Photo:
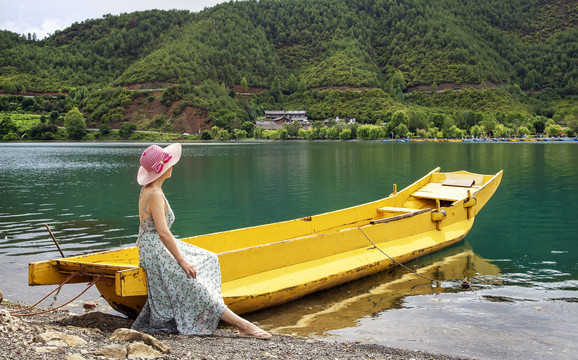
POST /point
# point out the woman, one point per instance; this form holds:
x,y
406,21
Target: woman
x,y
183,280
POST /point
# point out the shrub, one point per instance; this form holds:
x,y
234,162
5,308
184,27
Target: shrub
x,y
126,129
333,133
10,137
554,130
104,129
377,132
259,133
206,135
282,134
345,134
523,131
43,132
249,127
223,134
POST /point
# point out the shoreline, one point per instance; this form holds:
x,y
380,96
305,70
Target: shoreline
x,y
562,140
22,338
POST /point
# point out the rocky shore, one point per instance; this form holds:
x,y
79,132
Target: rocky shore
x,y
97,335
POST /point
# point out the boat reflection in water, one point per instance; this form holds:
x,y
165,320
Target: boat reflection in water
x,y
344,306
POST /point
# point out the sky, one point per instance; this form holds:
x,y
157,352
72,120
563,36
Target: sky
x,y
43,17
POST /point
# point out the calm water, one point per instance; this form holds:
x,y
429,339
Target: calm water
x,y
521,252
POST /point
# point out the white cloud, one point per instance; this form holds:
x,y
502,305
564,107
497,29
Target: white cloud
x,y
44,17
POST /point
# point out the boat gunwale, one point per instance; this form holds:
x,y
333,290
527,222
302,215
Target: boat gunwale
x,y
65,264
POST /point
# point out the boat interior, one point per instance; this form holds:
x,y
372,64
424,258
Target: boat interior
x,y
289,237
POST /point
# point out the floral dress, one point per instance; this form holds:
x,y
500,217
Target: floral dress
x,y
175,302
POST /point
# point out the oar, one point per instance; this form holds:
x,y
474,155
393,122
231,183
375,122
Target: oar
x,y
53,238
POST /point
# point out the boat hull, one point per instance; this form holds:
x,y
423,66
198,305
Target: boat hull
x,y
271,264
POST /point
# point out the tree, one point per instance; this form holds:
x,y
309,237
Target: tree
x,y
223,134
554,130
333,133
7,125
476,131
28,104
276,89
43,132
539,124
53,116
397,85
292,84
75,124
8,87
249,127
345,134
104,129
282,134
571,119
126,129
401,131
293,128
244,85
206,135
259,133
302,86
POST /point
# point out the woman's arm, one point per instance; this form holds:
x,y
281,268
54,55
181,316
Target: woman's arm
x,y
157,209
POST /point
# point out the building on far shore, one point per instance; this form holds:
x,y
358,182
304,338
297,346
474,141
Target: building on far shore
x,y
275,119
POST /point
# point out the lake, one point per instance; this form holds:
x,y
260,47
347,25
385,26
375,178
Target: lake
x,y
521,253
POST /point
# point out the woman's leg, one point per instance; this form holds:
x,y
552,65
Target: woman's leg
x,y
245,327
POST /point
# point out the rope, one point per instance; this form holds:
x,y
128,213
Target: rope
x,y
90,284
395,261
78,273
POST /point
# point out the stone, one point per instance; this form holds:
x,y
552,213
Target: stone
x,y
130,335
9,323
5,317
97,320
138,350
90,305
55,338
112,352
74,357
1,296
48,349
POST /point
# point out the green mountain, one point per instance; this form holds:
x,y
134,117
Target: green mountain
x,y
357,43
423,67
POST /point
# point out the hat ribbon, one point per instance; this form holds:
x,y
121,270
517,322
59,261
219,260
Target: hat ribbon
x,y
158,167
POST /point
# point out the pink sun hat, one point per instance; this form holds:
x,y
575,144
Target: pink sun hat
x,y
155,161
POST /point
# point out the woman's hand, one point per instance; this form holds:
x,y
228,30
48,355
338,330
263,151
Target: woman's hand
x,y
189,268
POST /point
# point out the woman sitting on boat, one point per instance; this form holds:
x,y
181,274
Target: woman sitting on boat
x,y
183,280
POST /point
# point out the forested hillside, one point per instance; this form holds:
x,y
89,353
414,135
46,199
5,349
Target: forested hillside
x,y
326,42
295,47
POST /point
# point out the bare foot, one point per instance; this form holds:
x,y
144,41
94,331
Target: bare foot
x,y
253,331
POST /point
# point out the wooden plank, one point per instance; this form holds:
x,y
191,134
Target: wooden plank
x,y
387,209
399,217
438,191
478,179
459,182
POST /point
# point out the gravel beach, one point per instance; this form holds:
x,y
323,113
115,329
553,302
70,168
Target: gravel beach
x,y
97,335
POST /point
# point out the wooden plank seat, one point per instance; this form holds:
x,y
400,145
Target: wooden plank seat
x,y
444,192
391,209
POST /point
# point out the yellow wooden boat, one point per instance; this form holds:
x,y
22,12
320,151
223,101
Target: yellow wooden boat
x,y
271,264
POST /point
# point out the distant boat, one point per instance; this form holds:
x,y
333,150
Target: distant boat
x,y
271,264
